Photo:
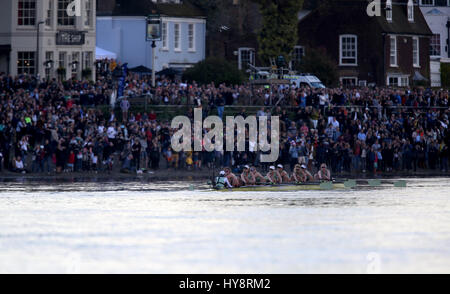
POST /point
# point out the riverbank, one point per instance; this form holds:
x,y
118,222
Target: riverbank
x,y
165,175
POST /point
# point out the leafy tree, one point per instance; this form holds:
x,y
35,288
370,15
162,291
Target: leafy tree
x,y
318,63
211,9
215,70
278,34
445,75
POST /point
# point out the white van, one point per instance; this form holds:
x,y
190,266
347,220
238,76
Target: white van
x,y
304,80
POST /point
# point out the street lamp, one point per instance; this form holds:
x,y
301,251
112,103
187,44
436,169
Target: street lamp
x,y
153,33
37,47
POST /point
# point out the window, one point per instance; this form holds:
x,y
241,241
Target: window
x,y
25,63
177,44
393,51
26,13
88,21
435,45
63,18
62,60
48,19
415,44
191,37
349,81
427,2
297,55
165,36
348,50
410,11
88,60
398,81
48,66
246,56
389,10
75,62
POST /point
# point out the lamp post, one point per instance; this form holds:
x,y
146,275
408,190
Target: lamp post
x,y
153,34
37,47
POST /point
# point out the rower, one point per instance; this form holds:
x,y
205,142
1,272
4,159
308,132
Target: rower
x,y
284,175
306,175
259,179
222,181
231,177
323,174
297,174
274,176
247,177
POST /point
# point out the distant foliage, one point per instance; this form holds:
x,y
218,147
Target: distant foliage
x,y
215,70
318,63
445,75
278,34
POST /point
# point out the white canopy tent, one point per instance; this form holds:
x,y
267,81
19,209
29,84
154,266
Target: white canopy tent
x,y
103,54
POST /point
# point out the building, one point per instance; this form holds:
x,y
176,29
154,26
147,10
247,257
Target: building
x,y
38,36
391,49
437,15
121,29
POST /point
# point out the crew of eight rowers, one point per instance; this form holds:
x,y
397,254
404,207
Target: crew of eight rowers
x,y
250,176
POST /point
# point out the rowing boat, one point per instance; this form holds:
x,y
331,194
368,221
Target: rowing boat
x,y
289,187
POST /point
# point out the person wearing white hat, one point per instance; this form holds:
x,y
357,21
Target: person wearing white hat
x,y
274,176
222,181
284,175
307,176
247,177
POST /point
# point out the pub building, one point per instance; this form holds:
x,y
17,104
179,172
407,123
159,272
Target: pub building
x,y
40,37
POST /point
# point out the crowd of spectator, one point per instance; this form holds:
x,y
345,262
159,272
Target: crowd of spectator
x,y
53,126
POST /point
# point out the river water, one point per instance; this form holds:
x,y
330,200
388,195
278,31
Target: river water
x,y
137,227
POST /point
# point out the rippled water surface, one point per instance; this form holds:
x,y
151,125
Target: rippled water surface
x,y
138,227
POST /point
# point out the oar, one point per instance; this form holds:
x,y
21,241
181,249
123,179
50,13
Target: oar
x,y
326,186
374,183
350,184
400,184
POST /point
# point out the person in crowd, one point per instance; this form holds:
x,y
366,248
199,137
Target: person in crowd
x,y
18,165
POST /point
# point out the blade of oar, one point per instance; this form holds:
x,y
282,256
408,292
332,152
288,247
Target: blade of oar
x,y
350,184
400,184
374,183
326,186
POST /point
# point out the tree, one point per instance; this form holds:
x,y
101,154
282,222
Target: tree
x,y
278,34
445,75
215,70
318,63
